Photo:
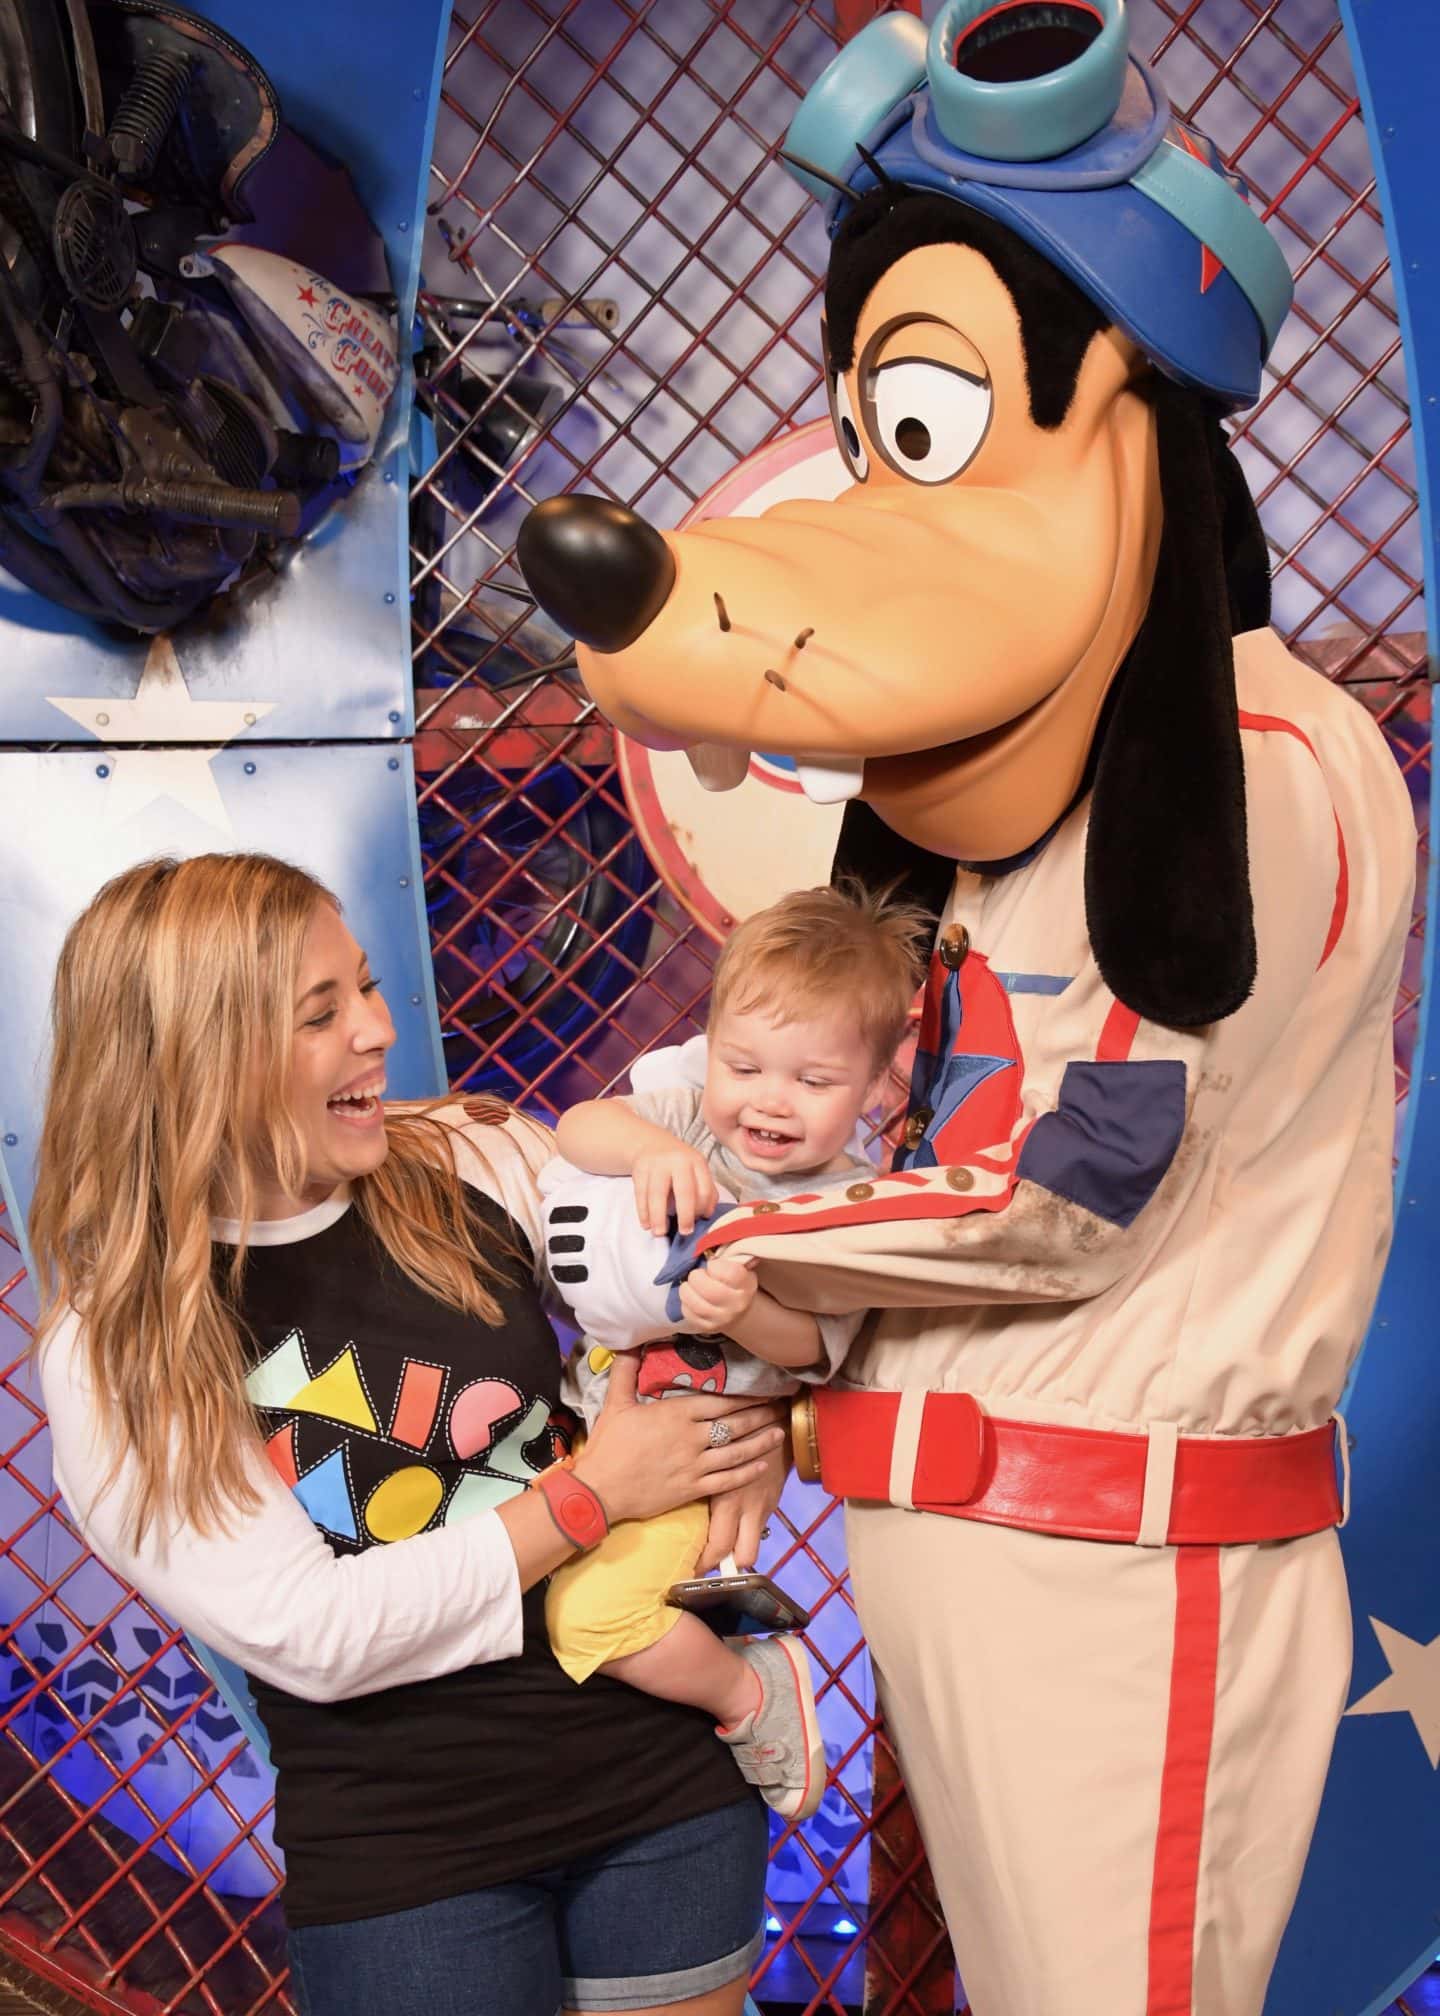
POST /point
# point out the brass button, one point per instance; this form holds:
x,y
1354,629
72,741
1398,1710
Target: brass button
x,y
859,1192
761,1209
960,1179
954,944
915,1126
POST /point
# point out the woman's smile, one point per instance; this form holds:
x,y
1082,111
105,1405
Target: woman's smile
x,y
357,1105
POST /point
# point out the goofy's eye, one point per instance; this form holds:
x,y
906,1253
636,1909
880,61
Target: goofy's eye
x,y
929,418
852,446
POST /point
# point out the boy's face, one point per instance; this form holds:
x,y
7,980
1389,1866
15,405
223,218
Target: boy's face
x,y
784,1097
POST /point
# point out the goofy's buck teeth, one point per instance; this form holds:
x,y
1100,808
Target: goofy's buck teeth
x,y
718,767
830,780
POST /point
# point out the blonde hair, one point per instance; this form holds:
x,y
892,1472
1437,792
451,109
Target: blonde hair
x,y
819,949
173,1021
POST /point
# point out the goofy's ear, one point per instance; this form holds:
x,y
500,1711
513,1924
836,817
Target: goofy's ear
x,y
1247,560
1167,883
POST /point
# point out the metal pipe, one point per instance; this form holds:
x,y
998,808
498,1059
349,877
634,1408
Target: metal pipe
x,y
276,511
592,311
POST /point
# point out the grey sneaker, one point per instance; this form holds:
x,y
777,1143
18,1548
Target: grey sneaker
x,y
778,1745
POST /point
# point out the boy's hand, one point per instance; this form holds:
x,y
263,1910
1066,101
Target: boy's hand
x,y
678,1172
718,1294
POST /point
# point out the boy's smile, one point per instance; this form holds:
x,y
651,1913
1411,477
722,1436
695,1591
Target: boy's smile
x,y
784,1096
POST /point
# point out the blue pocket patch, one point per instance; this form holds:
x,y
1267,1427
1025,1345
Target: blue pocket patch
x,y
1112,1137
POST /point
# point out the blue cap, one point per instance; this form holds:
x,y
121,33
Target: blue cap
x,y
1087,162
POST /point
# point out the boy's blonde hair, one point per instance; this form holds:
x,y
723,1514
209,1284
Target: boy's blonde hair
x,y
819,949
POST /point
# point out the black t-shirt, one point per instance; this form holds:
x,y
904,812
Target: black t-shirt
x,y
390,1414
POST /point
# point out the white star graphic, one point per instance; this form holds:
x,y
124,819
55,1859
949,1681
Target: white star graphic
x,y
1413,1688
163,711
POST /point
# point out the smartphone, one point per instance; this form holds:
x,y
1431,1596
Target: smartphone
x,y
739,1606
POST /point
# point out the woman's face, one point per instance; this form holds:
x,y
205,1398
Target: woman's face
x,y
337,1070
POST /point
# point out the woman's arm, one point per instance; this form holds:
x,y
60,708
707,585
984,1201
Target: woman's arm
x,y
269,1593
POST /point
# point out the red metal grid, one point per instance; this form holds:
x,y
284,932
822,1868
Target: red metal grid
x,y
597,151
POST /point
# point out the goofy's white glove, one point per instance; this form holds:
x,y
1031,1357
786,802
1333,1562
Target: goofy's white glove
x,y
620,1282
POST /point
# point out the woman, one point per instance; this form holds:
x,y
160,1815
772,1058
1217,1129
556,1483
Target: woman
x,y
229,1228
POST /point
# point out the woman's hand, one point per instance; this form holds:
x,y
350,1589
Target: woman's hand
x,y
718,1294
676,1172
738,1517
644,1459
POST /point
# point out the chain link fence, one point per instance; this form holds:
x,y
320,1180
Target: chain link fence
x,y
621,291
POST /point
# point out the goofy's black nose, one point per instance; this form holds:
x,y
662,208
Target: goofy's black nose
x,y
600,571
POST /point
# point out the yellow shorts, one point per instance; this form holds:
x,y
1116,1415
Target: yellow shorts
x,y
611,1601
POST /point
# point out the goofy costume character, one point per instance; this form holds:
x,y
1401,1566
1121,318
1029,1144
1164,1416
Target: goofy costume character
x,y
1121,1268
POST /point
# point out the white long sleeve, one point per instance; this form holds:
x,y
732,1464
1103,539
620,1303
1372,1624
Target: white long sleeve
x,y
269,1593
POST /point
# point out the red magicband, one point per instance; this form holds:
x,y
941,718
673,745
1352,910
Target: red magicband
x,y
575,1508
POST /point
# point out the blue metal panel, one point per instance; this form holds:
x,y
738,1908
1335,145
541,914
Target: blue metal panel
x,y
323,653
363,82
366,87
70,820
1368,1915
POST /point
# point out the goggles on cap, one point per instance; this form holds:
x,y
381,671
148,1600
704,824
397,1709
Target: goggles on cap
x,y
1036,112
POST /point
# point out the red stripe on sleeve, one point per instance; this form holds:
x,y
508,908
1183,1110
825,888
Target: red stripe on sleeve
x,y
1275,724
1342,896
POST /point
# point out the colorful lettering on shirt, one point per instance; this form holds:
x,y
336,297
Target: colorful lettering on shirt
x,y
411,1496
476,1410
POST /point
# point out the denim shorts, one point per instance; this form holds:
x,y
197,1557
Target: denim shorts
x,y
657,1919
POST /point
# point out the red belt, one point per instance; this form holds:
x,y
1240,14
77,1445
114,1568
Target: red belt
x,y
1084,1483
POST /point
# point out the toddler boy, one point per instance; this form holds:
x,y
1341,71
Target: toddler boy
x,y
809,1002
